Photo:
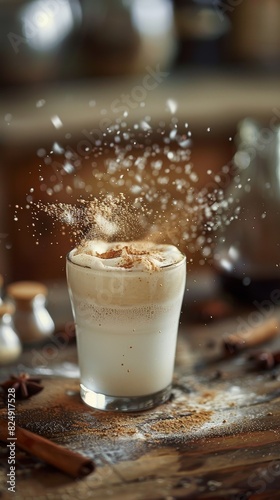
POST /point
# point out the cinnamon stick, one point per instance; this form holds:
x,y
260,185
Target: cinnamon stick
x,y
254,336
66,460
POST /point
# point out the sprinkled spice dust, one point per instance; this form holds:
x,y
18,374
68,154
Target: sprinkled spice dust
x,y
183,423
107,218
143,186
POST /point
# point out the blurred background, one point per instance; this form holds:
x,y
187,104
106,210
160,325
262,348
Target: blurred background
x,y
69,68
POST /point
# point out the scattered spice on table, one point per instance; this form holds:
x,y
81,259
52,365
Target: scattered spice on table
x,y
181,423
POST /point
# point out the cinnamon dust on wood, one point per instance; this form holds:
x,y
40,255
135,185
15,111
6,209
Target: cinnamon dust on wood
x,y
182,423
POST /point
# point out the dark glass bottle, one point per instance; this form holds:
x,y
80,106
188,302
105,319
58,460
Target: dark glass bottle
x,y
247,255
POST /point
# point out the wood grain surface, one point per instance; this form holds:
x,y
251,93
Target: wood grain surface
x,y
217,438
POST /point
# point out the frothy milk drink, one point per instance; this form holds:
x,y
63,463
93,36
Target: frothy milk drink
x,y
126,300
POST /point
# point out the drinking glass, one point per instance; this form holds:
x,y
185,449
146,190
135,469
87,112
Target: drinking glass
x,y
126,324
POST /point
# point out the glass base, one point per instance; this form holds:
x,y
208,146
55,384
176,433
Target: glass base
x,y
124,403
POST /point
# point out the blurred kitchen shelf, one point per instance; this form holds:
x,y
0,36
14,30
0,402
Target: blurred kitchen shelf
x,y
205,99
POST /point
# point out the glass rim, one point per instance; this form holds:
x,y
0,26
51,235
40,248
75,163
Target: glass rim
x,y
126,270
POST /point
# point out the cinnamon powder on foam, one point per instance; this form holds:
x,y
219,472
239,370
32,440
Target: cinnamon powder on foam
x,y
130,256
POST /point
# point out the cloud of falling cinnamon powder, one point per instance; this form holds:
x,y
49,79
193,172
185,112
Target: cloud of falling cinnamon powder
x,y
110,218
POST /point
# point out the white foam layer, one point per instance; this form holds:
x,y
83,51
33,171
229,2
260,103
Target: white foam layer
x,y
138,255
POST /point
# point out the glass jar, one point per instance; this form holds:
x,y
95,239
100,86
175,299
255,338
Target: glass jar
x,y
38,40
126,37
31,318
247,255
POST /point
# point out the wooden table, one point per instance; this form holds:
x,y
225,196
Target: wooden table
x,y
217,438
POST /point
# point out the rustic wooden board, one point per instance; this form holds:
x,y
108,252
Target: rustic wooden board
x,y
217,438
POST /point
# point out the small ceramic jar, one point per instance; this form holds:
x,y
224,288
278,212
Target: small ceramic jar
x,y
10,345
32,320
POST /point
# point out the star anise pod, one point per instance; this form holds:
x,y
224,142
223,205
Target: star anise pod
x,y
24,385
265,359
